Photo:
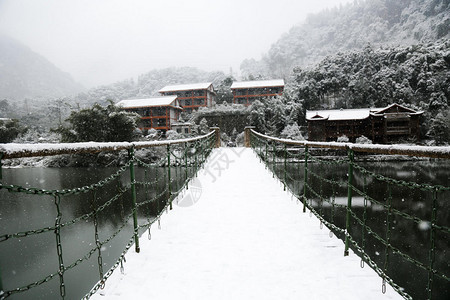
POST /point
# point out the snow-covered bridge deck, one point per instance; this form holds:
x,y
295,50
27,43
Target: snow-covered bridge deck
x,y
245,238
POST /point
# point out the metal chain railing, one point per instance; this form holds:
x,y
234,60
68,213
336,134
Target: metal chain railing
x,y
353,226
185,157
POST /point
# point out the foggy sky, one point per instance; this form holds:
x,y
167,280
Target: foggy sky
x,y
103,41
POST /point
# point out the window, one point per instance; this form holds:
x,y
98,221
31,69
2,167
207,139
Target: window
x,y
242,100
199,101
199,93
185,94
146,123
159,111
186,130
258,91
241,92
161,122
188,102
397,124
179,130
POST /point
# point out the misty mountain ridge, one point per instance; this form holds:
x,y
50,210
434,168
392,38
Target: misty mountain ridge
x,y
27,74
380,23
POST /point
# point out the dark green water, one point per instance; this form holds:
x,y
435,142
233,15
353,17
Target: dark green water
x,y
411,238
28,259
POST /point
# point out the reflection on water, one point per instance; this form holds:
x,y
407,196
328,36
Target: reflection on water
x,y
408,236
29,259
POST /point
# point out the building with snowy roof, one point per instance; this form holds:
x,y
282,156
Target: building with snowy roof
x,y
191,96
183,127
382,125
158,112
245,92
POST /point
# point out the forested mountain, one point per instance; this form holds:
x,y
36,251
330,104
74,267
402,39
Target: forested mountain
x,y
418,75
351,27
148,84
26,74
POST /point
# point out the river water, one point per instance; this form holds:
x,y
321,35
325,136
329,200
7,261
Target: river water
x,y
29,259
410,237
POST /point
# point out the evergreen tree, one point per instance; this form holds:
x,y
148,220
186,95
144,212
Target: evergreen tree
x,y
257,116
440,127
9,130
99,124
203,128
292,132
223,91
276,116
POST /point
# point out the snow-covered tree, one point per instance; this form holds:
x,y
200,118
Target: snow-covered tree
x,y
363,140
99,124
9,130
343,139
223,91
152,134
292,132
173,135
276,116
204,128
353,27
257,116
440,128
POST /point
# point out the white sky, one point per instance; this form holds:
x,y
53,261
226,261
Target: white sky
x,y
103,41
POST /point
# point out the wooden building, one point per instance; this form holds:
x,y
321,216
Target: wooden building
x,y
382,125
245,92
183,127
191,96
158,113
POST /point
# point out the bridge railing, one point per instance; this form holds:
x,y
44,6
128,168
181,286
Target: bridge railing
x,y
181,161
313,179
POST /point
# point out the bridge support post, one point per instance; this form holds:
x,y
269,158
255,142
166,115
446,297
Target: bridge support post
x,y
133,199
285,166
1,284
1,176
305,185
186,179
265,155
431,252
169,177
247,136
217,134
349,200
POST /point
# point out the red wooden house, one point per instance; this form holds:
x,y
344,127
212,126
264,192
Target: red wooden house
x,y
191,96
245,92
158,113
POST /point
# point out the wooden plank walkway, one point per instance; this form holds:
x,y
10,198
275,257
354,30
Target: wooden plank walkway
x,y
245,238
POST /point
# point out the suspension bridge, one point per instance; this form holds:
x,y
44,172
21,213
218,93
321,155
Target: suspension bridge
x,y
237,223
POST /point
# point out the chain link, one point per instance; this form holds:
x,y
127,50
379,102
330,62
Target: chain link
x,y
62,286
261,145
198,150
